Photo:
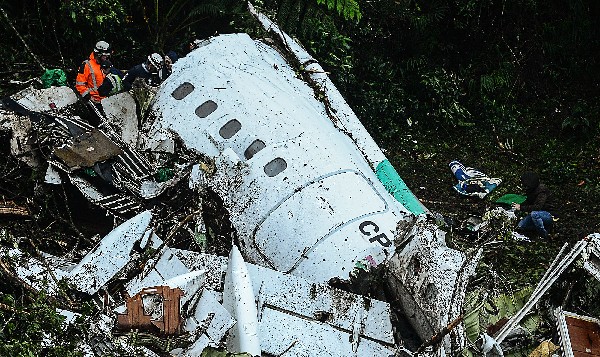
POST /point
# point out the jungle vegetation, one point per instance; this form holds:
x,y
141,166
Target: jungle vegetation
x,y
503,86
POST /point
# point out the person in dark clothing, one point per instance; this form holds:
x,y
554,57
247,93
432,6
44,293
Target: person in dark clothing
x,y
537,205
170,58
112,83
152,66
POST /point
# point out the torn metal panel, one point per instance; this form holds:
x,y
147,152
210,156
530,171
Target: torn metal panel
x,y
304,318
207,323
45,100
118,203
111,255
42,276
120,110
87,149
579,335
160,269
164,304
424,275
21,143
74,125
592,256
52,176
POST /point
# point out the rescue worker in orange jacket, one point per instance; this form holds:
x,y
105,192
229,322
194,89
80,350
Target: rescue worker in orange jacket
x,y
90,76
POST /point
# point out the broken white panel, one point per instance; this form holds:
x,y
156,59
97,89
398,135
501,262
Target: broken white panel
x,y
21,145
238,299
424,275
52,176
281,333
120,110
207,322
327,317
592,256
159,270
329,321
45,100
110,255
36,273
197,180
214,266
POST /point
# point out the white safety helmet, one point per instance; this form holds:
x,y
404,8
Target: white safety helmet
x,y
102,48
156,60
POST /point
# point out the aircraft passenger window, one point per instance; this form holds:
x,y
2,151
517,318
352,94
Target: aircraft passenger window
x,y
275,167
230,129
183,90
256,146
206,108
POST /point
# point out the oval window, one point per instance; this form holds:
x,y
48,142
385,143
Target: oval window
x,y
256,146
275,167
206,108
183,90
230,129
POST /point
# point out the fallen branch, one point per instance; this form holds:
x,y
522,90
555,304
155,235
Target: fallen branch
x,y
437,338
10,208
22,40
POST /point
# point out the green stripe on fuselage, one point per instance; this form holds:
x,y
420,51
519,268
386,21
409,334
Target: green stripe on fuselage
x,y
387,175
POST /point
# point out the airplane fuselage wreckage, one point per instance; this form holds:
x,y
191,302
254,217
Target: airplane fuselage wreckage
x,y
332,254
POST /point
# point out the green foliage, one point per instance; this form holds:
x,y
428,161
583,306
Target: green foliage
x,y
443,92
349,9
482,310
333,48
558,162
582,119
103,18
165,21
34,329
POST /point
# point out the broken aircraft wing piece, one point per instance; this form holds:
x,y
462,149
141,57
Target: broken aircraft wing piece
x,y
301,318
111,255
238,299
